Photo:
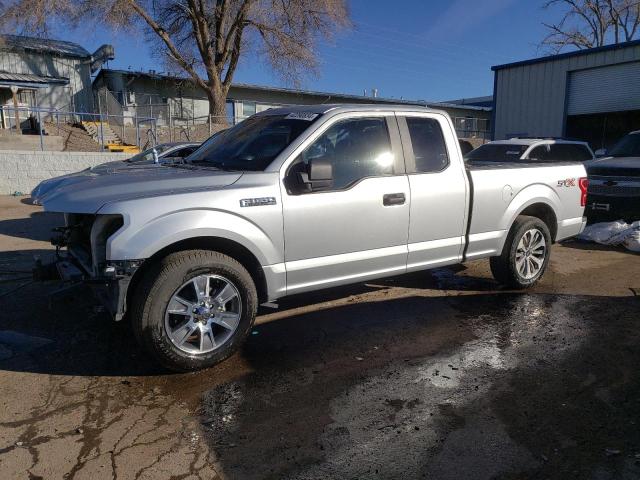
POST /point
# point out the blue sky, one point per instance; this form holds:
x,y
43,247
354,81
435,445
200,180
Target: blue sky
x,y
411,49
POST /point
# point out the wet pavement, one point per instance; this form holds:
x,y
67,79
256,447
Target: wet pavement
x,y
439,375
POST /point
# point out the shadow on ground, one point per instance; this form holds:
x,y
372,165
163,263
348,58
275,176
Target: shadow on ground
x,y
36,227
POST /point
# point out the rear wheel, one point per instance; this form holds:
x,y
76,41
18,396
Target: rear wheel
x,y
193,309
525,254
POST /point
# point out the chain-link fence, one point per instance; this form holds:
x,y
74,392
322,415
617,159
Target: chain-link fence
x,y
175,119
85,130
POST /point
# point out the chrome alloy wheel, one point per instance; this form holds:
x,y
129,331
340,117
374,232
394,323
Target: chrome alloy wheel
x,y
531,253
203,314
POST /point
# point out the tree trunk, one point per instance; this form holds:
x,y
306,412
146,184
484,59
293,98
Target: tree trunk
x,y
217,106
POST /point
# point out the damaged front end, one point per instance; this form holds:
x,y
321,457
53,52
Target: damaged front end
x,y
81,257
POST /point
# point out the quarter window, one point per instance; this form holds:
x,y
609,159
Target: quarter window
x,y
427,140
356,148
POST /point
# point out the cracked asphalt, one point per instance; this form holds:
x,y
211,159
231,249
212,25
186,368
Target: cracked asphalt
x,y
438,375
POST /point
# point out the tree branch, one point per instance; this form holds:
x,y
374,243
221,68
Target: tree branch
x,y
173,51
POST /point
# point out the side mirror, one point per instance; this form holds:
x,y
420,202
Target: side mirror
x,y
601,152
316,175
319,174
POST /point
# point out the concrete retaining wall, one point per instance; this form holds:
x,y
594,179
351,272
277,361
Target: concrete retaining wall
x,y
21,171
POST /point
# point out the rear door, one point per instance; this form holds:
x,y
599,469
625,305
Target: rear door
x,y
357,228
438,184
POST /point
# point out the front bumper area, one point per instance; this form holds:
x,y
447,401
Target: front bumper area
x,y
109,287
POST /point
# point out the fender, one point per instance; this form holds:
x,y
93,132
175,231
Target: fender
x,y
160,232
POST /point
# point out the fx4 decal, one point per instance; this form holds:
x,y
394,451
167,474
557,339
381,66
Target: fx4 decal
x,y
567,182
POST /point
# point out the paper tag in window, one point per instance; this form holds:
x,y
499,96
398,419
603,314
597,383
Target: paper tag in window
x,y
302,116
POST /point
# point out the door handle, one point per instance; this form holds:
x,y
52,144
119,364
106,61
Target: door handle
x,y
389,199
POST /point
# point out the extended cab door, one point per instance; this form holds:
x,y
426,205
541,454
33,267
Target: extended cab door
x,y
356,226
438,183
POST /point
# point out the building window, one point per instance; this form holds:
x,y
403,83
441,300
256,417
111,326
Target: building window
x,y
248,109
230,112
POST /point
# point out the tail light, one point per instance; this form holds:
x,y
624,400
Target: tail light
x,y
583,183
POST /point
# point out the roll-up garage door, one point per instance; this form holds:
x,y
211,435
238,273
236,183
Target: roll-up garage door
x,y
605,89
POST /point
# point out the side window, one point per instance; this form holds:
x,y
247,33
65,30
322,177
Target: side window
x,y
356,149
428,144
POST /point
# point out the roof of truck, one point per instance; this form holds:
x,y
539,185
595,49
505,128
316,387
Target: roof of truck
x,y
341,107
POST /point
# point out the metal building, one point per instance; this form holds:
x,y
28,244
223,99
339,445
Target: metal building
x,y
44,73
591,95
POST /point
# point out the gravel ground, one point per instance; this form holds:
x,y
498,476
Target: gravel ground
x,y
439,375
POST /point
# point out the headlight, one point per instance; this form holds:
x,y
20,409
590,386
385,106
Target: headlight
x,y
103,227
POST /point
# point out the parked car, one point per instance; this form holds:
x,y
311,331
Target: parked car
x,y
162,153
298,199
614,182
531,150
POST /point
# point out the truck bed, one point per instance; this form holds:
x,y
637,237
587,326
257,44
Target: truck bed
x,y
495,191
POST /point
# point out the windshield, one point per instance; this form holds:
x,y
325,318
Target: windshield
x,y
628,146
148,153
496,152
253,143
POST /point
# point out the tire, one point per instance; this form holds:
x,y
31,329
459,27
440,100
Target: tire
x,y
520,266
193,309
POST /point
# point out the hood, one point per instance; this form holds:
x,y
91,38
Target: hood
x,y
614,166
87,191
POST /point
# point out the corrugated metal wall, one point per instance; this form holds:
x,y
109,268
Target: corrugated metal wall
x,y
77,94
531,99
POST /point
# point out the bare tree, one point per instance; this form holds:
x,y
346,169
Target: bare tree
x,y
204,38
592,23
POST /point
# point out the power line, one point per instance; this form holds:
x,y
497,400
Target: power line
x,y
368,67
442,42
397,50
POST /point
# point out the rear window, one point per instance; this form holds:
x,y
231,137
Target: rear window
x,y
560,152
496,152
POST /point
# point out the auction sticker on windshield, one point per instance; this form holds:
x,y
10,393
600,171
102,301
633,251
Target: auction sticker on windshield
x,y
302,116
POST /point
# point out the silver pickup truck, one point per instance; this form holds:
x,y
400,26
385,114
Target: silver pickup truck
x,y
298,199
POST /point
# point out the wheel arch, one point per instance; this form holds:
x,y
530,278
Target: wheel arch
x,y
226,246
537,200
544,212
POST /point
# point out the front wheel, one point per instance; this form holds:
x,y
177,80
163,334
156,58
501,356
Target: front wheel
x,y
193,309
525,254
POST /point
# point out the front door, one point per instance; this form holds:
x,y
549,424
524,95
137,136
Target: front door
x,y
356,228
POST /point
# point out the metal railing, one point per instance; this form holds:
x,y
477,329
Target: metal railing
x,y
37,116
